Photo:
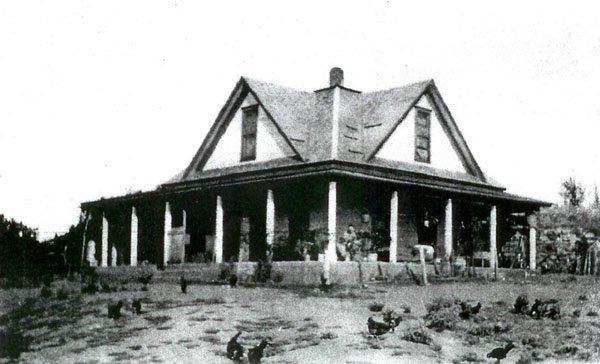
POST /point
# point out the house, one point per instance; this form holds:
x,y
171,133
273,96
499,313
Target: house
x,y
282,169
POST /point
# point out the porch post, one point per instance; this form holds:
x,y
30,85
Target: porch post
x,y
270,218
133,238
448,230
394,227
532,247
330,253
493,251
218,248
104,253
166,237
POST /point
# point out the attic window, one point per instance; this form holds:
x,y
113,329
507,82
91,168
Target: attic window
x,y
423,135
249,121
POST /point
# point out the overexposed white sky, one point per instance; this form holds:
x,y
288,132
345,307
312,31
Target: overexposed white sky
x,y
98,98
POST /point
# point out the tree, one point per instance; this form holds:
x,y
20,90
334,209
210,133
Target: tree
x,y
572,192
596,203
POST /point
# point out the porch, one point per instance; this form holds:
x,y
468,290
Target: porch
x,y
307,218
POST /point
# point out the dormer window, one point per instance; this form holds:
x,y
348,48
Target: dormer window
x,y
422,135
249,122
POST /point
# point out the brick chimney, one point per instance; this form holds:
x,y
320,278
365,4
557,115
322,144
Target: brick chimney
x,y
336,77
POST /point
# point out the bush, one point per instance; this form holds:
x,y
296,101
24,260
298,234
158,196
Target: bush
x,y
45,292
13,343
419,337
63,293
278,277
376,307
442,314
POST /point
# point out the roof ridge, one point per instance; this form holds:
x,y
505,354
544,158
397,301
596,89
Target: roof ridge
x,y
251,79
427,81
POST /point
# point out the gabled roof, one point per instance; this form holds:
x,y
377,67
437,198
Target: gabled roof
x,y
365,122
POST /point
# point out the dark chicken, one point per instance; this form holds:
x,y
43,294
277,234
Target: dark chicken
x,y
256,353
500,353
235,351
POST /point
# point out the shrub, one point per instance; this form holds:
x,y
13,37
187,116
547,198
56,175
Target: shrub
x,y
419,337
376,307
63,293
46,291
13,343
442,314
278,277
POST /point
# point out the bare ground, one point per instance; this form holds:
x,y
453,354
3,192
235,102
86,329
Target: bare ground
x,y
307,326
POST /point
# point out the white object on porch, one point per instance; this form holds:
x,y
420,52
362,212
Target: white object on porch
x,y
113,257
133,238
218,244
270,217
91,253
532,247
448,237
493,237
330,253
167,230
394,227
104,253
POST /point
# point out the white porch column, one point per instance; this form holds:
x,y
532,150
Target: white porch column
x,y
270,218
219,232
166,237
394,227
184,220
133,248
493,251
330,253
532,247
104,256
448,230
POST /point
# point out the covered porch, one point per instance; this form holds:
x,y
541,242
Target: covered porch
x,y
308,218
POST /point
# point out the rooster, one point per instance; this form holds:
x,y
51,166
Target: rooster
x,y
501,352
183,283
114,310
235,351
256,353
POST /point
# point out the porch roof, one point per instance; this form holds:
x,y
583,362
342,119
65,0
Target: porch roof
x,y
448,183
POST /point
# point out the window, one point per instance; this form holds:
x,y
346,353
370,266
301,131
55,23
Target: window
x,y
249,121
422,135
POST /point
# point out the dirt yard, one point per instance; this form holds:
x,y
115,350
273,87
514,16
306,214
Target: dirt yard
x,y
306,325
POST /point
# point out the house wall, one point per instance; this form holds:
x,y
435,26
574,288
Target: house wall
x,y
270,144
401,144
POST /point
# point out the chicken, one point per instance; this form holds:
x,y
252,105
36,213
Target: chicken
x,y
501,352
467,311
393,322
136,305
377,328
114,310
235,351
233,279
183,283
521,304
256,353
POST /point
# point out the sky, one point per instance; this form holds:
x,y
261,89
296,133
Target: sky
x,y
101,98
